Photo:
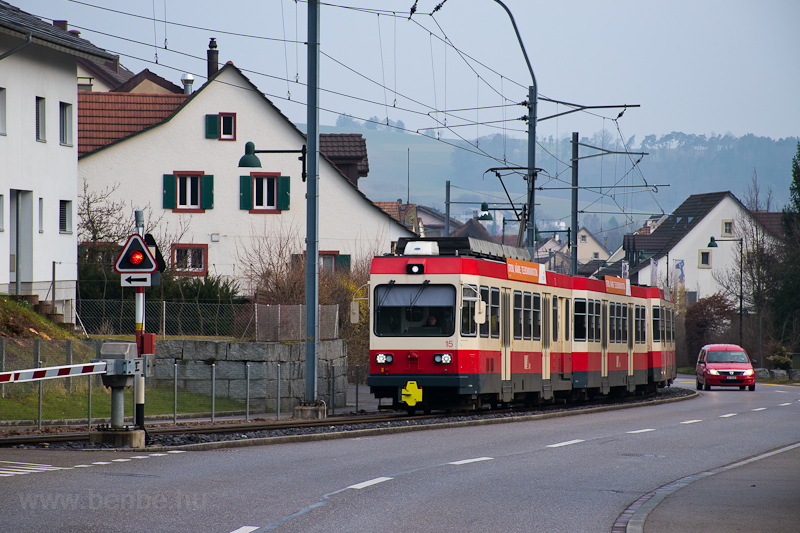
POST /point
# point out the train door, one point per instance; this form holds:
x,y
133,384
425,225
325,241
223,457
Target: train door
x,y
605,387
505,344
546,331
556,344
630,331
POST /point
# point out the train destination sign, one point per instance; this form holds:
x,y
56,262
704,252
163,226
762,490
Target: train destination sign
x,y
526,271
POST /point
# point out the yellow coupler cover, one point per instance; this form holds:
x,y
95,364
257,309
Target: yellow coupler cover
x,y
411,394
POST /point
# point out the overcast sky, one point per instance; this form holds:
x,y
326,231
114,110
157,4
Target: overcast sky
x,y
696,66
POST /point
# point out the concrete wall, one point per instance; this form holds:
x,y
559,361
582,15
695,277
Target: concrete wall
x,y
194,360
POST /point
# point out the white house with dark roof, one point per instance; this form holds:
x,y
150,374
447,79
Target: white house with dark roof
x,y
38,150
184,168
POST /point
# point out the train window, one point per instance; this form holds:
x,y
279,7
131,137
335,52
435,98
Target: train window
x,y
637,318
580,320
566,319
494,313
597,321
656,324
619,323
555,318
517,315
468,303
590,321
405,310
612,318
537,316
624,322
644,324
526,316
484,328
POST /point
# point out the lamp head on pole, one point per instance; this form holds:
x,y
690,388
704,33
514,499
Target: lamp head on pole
x,y
713,243
249,159
485,215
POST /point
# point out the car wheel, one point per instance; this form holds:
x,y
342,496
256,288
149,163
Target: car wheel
x,y
706,386
752,387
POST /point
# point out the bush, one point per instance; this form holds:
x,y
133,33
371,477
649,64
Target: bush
x,y
780,358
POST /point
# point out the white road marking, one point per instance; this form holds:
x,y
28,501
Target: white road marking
x,y
101,463
159,455
365,484
728,415
120,460
784,404
81,466
467,461
640,431
567,443
14,468
245,529
140,457
691,421
760,409
177,451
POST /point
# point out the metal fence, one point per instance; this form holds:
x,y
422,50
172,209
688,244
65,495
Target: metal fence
x,y
270,323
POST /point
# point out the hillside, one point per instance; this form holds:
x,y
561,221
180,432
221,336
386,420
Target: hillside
x,y
20,322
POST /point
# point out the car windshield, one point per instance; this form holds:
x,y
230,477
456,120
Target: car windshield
x,y
727,356
414,310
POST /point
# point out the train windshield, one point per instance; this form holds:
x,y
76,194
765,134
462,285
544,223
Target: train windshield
x,y
422,310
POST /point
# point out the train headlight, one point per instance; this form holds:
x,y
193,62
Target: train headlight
x,y
442,358
384,358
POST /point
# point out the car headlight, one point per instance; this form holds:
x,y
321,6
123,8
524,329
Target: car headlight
x,y
443,358
713,371
748,372
383,358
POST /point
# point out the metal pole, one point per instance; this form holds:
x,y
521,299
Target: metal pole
x,y
89,418
312,202
333,391
279,392
3,365
213,390
54,287
574,236
41,393
68,361
175,396
356,388
247,410
741,289
447,209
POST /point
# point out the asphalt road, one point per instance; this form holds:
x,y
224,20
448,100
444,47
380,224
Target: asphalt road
x,y
570,474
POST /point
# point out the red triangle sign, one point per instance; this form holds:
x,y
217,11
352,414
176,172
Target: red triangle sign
x,y
135,258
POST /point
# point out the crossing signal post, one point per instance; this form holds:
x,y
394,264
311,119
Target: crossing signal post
x,y
137,264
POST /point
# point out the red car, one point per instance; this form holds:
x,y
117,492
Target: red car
x,y
724,365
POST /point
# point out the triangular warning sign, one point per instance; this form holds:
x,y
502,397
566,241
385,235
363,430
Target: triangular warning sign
x,y
135,258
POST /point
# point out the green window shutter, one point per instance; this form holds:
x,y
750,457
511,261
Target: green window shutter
x,y
212,126
169,191
283,193
207,192
245,192
343,263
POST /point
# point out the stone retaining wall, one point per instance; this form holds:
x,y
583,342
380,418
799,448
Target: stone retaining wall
x,y
194,359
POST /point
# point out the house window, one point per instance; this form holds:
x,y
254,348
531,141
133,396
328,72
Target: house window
x,y
40,124
583,238
2,111
65,124
596,255
264,192
65,216
190,259
727,228
704,259
329,261
188,192
221,126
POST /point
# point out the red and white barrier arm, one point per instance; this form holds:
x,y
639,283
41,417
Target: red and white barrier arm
x,y
53,372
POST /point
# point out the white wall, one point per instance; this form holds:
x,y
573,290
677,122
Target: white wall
x,y
44,170
347,222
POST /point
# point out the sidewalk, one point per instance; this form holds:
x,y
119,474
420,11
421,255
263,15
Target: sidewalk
x,y
758,494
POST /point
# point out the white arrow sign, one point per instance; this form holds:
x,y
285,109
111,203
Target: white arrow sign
x,y
136,280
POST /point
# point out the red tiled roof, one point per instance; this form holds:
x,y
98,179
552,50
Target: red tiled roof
x,y
105,118
342,146
770,221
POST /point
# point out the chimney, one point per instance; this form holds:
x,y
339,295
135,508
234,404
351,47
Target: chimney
x,y
187,80
61,24
213,58
76,33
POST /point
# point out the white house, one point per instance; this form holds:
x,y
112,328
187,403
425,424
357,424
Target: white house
x,y
184,166
38,150
677,251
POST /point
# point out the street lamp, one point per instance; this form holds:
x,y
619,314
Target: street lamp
x,y
713,244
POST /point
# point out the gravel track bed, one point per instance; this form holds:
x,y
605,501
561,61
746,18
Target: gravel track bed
x,y
184,439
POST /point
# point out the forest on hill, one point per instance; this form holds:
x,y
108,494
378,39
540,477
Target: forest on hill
x,y
416,167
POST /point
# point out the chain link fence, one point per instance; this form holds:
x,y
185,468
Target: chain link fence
x,y
267,323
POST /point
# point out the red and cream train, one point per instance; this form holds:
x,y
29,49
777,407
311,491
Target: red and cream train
x,y
507,331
